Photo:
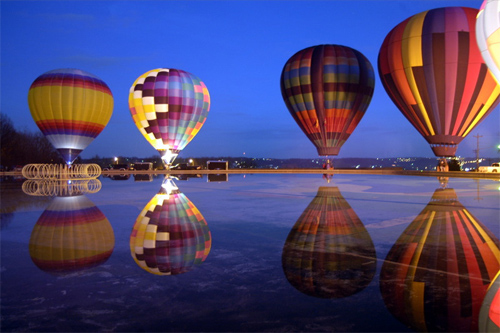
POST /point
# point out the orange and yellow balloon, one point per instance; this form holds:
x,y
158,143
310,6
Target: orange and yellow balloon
x,y
71,107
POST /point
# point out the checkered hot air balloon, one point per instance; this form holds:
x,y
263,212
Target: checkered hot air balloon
x,y
327,89
169,107
431,68
170,236
71,107
436,275
72,234
329,253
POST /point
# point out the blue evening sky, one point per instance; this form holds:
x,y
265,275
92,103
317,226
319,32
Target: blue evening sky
x,y
238,48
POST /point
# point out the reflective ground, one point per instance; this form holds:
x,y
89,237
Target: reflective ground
x,y
354,253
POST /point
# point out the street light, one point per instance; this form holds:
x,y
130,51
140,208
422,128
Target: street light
x,y
116,160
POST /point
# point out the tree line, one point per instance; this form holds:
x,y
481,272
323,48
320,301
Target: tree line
x,y
24,147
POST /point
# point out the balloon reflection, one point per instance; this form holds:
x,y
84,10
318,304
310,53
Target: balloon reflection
x,y
436,274
329,253
170,236
54,187
489,315
72,234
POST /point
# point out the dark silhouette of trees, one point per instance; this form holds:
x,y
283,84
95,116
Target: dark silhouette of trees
x,y
24,147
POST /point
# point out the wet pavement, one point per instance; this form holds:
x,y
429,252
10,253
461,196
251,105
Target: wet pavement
x,y
289,252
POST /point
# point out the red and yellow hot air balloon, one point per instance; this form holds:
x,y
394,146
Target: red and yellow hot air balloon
x,y
329,253
169,107
327,89
431,67
488,35
170,236
436,275
71,107
72,234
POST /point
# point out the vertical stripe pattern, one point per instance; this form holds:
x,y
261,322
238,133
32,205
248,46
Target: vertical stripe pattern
x,y
436,275
327,89
329,253
431,67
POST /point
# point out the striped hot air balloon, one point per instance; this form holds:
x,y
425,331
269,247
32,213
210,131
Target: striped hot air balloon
x,y
436,275
170,236
71,107
329,253
327,89
431,68
72,234
169,107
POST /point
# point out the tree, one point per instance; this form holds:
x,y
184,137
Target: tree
x,y
20,148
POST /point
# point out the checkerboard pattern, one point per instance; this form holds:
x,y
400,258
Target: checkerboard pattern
x,y
170,236
169,107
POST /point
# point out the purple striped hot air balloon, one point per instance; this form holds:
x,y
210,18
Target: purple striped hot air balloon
x,y
327,89
71,107
169,107
329,253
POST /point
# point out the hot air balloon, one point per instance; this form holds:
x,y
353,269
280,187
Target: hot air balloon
x,y
71,107
329,253
72,234
488,35
432,70
170,236
169,107
489,315
327,89
436,275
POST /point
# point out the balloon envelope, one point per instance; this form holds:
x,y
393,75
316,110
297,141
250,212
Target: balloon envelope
x,y
489,315
436,275
169,107
71,107
488,35
329,253
432,69
170,236
72,234
327,89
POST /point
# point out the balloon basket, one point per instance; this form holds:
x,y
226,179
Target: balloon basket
x,y
61,171
61,188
